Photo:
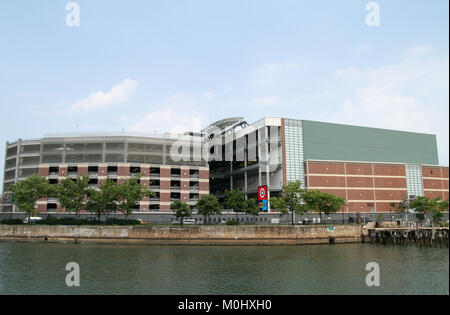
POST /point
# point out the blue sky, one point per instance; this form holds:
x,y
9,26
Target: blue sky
x,y
180,64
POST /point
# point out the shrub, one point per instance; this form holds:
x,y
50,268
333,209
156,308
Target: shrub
x,y
232,222
114,221
12,222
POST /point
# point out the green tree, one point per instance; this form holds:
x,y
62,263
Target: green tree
x,y
235,200
322,202
279,204
103,200
182,210
72,194
27,192
129,193
208,205
424,206
291,201
251,207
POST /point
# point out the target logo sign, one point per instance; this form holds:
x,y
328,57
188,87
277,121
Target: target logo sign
x,y
262,193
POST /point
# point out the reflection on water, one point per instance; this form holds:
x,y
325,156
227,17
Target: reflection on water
x,y
38,268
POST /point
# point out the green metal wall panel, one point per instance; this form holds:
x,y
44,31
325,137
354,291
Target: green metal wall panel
x,y
327,141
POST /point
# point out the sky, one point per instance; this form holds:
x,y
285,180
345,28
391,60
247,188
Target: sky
x,y
176,65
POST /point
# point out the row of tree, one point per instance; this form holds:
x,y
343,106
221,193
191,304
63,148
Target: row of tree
x,y
209,205
297,200
75,195
424,207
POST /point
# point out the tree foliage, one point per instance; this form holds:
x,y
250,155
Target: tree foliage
x,y
182,210
291,200
128,194
27,192
252,207
322,202
423,206
208,205
72,194
235,200
102,201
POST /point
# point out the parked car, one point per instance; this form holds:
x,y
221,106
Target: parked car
x,y
32,219
185,221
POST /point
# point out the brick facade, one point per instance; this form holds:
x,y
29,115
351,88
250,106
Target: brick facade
x,y
366,186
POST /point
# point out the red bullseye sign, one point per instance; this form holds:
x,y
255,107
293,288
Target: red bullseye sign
x,y
262,193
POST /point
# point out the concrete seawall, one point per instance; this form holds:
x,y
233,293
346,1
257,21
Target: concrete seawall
x,y
187,235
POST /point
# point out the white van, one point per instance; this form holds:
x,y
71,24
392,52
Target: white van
x,y
32,219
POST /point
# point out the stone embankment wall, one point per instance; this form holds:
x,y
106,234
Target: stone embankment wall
x,y
188,235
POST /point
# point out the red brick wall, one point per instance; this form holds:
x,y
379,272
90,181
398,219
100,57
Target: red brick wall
x,y
432,183
359,207
63,170
44,171
325,168
82,171
326,181
435,182
359,182
145,171
359,169
389,181
337,192
203,186
429,171
102,171
391,194
123,170
164,172
203,174
164,184
389,170
360,194
42,208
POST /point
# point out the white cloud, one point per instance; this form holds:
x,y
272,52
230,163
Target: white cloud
x,y
118,94
209,95
410,95
177,113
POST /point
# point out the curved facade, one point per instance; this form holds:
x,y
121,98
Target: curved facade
x,y
168,164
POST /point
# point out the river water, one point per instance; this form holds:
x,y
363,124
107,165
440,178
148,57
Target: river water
x,y
40,268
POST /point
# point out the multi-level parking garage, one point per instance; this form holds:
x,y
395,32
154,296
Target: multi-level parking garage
x,y
170,175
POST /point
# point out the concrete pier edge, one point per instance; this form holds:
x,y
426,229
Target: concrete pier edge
x,y
187,235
